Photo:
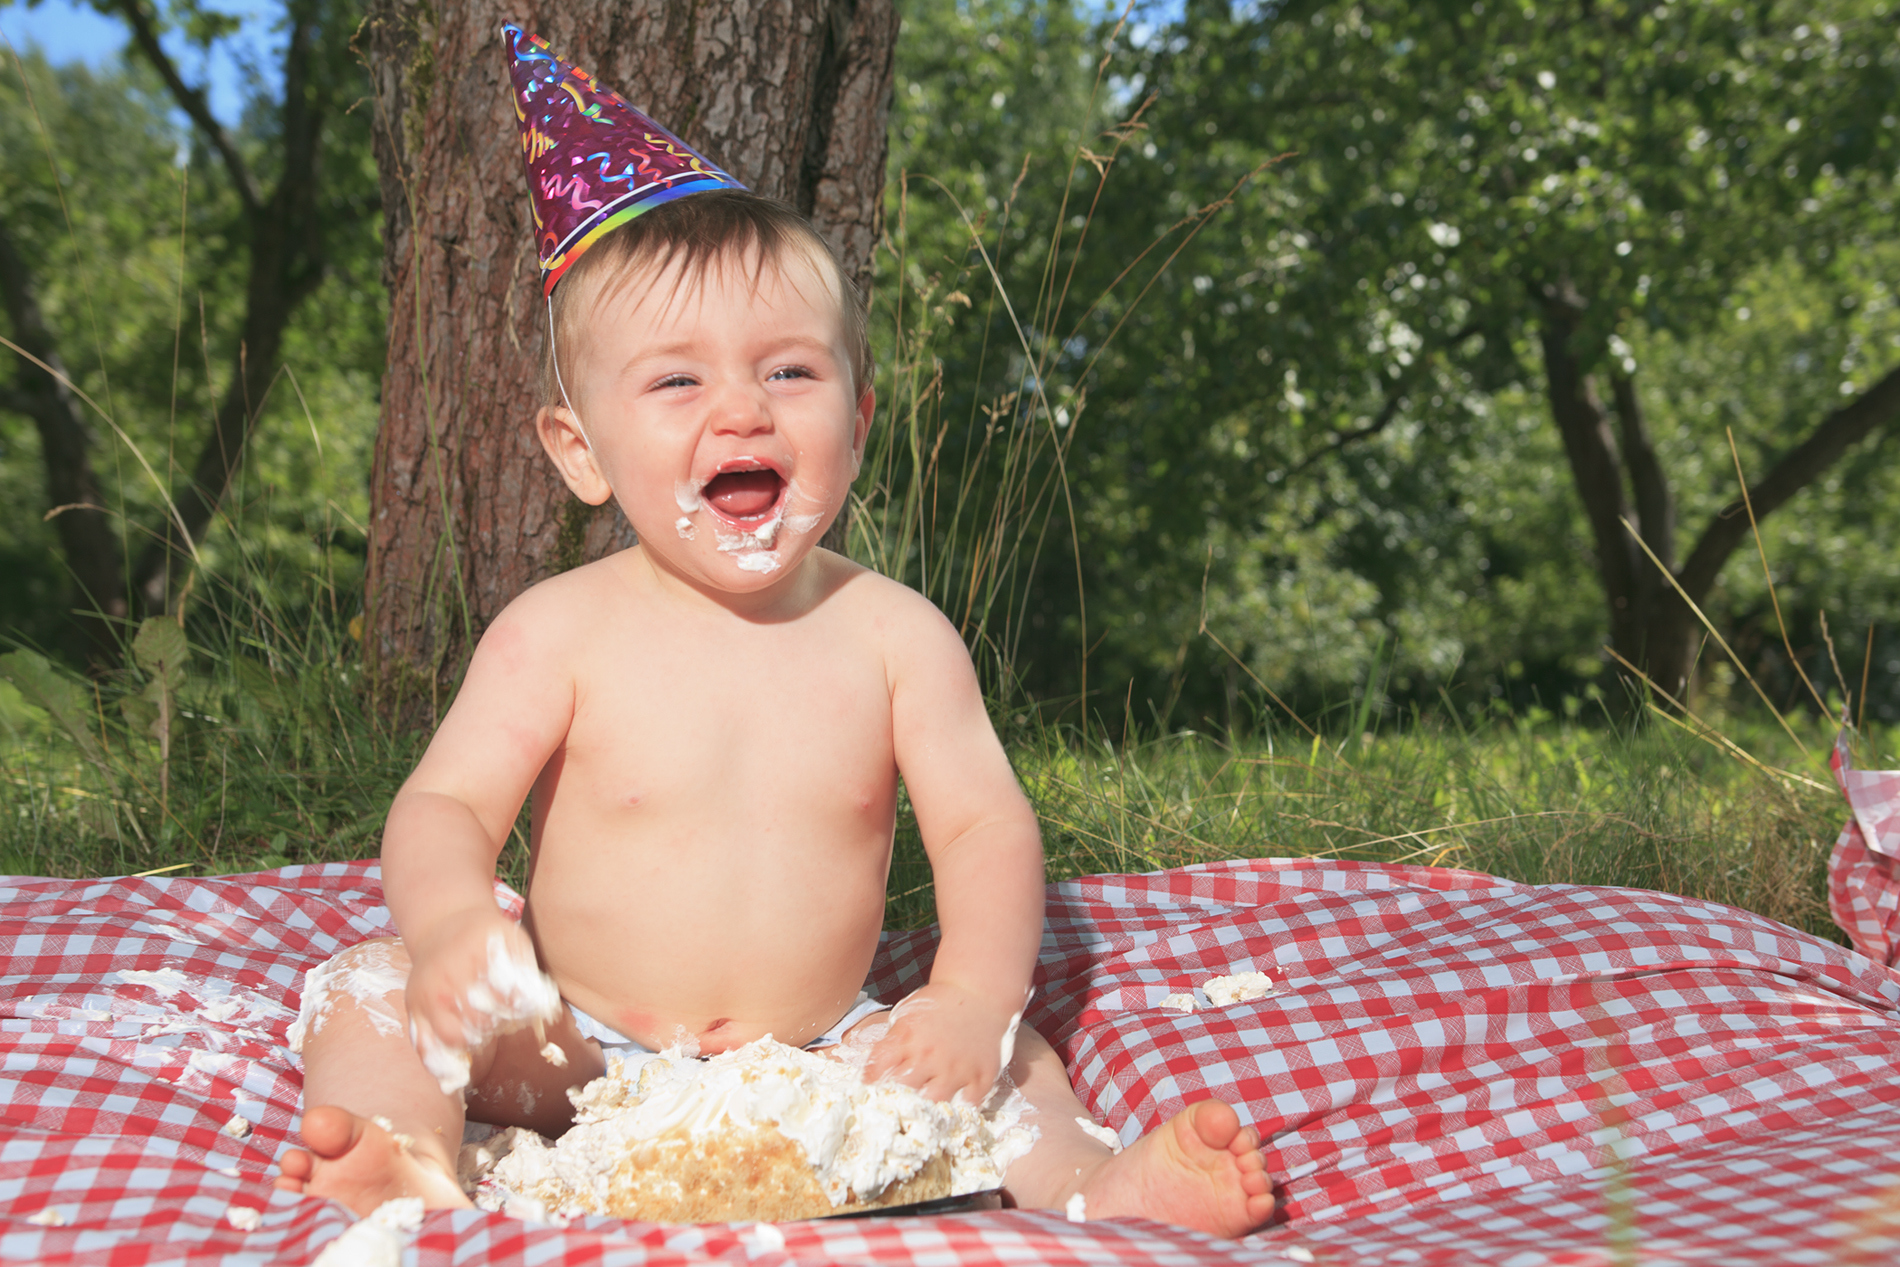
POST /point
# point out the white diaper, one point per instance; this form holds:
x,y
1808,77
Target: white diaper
x,y
612,1040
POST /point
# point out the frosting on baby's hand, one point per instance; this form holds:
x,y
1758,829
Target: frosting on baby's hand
x,y
454,1013
948,1042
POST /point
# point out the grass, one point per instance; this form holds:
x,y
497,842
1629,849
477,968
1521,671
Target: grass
x,y
1539,800
272,758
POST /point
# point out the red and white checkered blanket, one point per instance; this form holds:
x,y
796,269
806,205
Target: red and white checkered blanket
x,y
1453,1069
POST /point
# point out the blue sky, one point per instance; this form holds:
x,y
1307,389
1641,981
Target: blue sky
x,y
68,32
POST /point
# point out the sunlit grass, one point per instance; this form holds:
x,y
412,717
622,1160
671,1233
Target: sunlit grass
x,y
1541,801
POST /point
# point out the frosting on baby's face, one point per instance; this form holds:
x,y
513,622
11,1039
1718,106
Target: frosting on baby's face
x,y
722,413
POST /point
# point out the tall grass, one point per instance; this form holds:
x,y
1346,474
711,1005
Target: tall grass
x,y
1541,801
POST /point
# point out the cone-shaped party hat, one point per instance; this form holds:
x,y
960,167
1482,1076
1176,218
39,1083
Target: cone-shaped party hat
x,y
594,162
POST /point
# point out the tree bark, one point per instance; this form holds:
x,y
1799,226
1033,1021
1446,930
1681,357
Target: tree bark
x,y
790,96
1652,624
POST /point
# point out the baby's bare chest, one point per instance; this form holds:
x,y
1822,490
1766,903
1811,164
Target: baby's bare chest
x,y
726,731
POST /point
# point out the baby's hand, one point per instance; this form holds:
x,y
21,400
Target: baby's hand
x,y
474,977
945,1041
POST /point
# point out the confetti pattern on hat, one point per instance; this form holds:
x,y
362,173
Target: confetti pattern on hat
x,y
594,162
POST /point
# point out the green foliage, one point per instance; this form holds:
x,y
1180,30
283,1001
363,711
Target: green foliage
x,y
138,249
234,740
1323,427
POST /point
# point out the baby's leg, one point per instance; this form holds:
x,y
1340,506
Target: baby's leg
x,y
1200,1169
377,1126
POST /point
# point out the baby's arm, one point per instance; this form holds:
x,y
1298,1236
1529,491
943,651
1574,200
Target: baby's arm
x,y
451,818
985,859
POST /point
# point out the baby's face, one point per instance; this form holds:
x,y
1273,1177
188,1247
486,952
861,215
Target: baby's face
x,y
722,414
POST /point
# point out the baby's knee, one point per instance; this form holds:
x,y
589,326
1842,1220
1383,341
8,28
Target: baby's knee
x,y
367,980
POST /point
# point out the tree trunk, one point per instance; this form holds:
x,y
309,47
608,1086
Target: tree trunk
x,y
86,534
1652,625
790,96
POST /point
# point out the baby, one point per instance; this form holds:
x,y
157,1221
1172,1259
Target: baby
x,y
712,725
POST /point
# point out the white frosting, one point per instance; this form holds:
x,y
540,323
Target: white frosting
x,y
1239,988
684,527
237,1127
367,974
686,495
760,538
1077,1209
449,1066
513,991
1100,1134
49,1217
859,1138
1006,1051
164,982
376,1241
553,1054
243,1218
763,561
1179,1002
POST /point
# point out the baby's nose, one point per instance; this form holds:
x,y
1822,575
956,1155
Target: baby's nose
x,y
740,412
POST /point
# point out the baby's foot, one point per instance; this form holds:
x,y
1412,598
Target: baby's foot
x,y
353,1160
1200,1169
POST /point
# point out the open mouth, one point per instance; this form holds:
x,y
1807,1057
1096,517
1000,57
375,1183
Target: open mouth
x,y
744,494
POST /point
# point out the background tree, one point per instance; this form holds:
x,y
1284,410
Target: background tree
x,y
284,214
791,96
1492,205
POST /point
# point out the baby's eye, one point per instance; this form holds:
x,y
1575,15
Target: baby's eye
x,y
789,372
676,380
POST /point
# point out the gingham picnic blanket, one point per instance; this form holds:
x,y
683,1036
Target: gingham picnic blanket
x,y
1453,1068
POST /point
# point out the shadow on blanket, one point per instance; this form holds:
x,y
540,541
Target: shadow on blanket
x,y
1453,1068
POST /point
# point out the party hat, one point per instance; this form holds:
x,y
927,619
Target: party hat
x,y
594,162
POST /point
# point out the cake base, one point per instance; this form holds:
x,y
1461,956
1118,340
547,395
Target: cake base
x,y
741,1174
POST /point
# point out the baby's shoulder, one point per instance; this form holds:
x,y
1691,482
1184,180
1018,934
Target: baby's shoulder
x,y
907,626
552,614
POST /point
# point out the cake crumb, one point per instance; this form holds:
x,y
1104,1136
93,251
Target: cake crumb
x,y
1100,1134
1077,1210
376,1241
1298,1253
243,1218
237,1127
1179,1002
1239,988
769,1239
49,1217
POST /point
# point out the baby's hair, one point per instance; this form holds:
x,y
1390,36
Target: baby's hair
x,y
700,231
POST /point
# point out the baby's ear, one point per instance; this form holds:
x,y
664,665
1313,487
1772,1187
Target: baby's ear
x,y
567,445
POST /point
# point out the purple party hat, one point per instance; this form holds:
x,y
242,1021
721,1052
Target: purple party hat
x,y
594,162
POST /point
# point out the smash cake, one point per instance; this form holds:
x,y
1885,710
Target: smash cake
x,y
765,1132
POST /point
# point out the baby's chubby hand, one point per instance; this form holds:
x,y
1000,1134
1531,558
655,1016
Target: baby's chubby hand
x,y
946,1041
473,976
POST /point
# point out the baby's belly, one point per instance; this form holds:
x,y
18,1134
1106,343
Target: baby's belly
x,y
710,941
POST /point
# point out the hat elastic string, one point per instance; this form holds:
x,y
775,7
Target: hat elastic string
x,y
554,357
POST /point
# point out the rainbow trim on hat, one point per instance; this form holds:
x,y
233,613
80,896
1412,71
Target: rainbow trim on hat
x,y
594,162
